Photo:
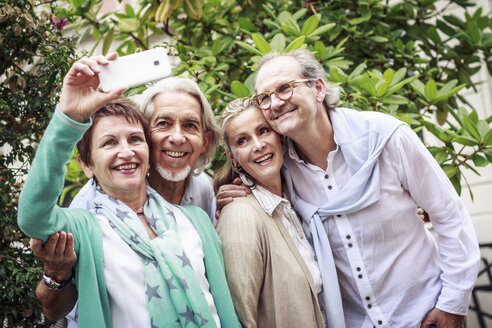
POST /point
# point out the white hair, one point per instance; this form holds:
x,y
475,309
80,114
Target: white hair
x,y
178,84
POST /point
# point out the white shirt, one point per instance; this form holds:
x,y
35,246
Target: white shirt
x,y
125,279
391,271
198,192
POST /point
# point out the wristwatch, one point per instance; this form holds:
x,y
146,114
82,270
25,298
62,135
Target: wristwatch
x,y
53,284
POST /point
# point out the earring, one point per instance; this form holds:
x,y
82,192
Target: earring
x,y
236,166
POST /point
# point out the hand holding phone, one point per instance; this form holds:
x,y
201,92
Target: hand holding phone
x,y
135,69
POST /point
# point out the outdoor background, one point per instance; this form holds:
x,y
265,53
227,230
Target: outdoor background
x,y
426,62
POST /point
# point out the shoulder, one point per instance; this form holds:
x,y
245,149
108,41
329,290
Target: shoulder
x,y
201,181
243,209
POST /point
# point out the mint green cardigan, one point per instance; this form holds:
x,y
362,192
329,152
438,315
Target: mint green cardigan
x,y
39,217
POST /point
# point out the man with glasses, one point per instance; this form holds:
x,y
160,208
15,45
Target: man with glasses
x,y
357,178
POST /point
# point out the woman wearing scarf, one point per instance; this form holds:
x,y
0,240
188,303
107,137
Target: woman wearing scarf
x,y
133,267
270,266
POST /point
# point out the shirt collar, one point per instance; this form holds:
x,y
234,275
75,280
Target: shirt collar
x,y
267,200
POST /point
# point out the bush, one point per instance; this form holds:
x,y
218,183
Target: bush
x,y
33,59
410,60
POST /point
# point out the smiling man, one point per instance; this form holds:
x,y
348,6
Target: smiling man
x,y
184,138
357,179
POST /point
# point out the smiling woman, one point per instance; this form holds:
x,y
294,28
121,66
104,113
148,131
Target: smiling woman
x,y
131,236
270,266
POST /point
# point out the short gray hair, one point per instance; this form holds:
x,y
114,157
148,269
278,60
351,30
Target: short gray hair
x,y
310,69
178,84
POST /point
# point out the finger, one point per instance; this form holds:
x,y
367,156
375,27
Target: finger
x,y
112,95
36,246
112,56
81,68
232,193
60,246
237,181
49,247
223,202
69,245
217,214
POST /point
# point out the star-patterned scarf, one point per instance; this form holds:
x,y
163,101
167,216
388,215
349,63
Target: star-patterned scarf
x,y
174,296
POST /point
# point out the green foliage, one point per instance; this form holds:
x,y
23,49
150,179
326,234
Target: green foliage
x,y
33,59
411,60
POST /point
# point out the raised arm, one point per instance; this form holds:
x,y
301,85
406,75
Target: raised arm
x,y
38,215
58,258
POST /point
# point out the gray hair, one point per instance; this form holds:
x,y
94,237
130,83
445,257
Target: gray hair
x,y
310,69
177,84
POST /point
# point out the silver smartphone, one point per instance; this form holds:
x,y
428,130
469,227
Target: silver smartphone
x,y
134,69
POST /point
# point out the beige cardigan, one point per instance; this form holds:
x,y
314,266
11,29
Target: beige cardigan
x,y
270,283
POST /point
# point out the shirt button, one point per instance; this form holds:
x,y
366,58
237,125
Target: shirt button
x,y
380,322
359,276
358,269
349,245
348,236
339,215
330,187
367,298
326,176
369,306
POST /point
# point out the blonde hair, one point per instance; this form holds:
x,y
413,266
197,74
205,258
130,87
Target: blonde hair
x,y
226,174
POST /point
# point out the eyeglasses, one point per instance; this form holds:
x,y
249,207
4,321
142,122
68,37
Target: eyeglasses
x,y
282,92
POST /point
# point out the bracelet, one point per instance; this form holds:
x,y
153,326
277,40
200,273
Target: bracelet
x,y
53,284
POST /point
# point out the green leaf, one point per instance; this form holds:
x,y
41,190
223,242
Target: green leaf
x,y
249,47
433,35
245,23
389,75
216,46
471,128
261,43
396,100
479,160
310,25
467,141
358,70
129,10
296,44
430,90
488,154
418,87
322,29
320,50
473,31
405,118
278,42
379,39
487,140
450,170
108,40
441,156
128,24
365,17
382,88
239,89
336,76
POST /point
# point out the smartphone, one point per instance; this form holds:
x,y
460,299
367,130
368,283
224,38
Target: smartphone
x,y
134,69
